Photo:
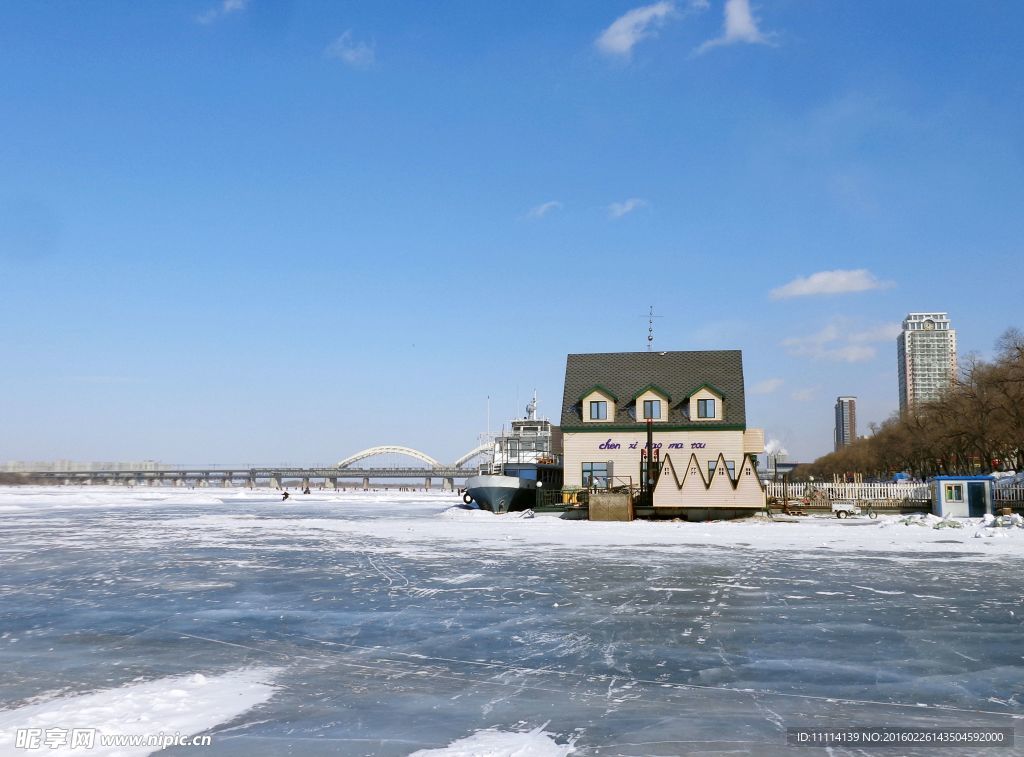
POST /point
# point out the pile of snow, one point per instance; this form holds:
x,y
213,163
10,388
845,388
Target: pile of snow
x,y
183,705
1008,478
926,520
986,527
1003,521
494,743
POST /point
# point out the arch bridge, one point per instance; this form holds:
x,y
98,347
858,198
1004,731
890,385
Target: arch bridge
x,y
393,449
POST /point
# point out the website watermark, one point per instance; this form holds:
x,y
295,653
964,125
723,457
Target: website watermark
x,y
90,738
900,737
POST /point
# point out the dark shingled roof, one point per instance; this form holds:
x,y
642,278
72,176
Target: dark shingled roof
x,y
678,373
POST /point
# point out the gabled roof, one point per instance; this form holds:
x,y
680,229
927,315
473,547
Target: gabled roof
x,y
598,388
628,374
653,388
711,387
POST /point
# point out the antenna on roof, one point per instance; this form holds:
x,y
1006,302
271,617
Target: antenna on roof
x,y
650,327
531,408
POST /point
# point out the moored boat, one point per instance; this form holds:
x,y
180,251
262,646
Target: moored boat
x,y
524,463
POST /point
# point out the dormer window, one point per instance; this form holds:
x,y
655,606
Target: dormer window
x,y
705,403
597,405
650,404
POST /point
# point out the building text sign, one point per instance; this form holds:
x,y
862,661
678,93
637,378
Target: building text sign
x,y
657,445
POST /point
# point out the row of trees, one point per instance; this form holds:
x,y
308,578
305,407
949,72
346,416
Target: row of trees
x,y
8,479
977,426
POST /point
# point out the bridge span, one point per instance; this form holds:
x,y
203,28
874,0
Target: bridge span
x,y
341,475
328,478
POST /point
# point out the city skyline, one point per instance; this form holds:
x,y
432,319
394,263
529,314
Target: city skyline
x,y
254,231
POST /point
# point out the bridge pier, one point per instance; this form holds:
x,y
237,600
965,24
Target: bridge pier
x,y
251,483
275,480
366,483
305,483
449,485
331,483
426,483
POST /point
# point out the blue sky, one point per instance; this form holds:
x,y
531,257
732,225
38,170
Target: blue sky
x,y
253,231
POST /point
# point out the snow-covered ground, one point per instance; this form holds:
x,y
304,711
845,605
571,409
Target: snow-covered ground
x,y
389,623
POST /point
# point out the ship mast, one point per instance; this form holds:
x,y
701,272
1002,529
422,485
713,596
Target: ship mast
x,y
531,409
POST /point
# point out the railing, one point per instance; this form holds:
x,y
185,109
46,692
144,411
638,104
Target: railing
x,y
579,496
871,492
567,498
1009,495
522,457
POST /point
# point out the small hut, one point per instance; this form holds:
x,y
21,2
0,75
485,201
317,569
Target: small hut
x,y
962,496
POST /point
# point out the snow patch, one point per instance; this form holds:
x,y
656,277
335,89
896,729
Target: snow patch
x,y
186,705
458,512
428,524
876,591
491,742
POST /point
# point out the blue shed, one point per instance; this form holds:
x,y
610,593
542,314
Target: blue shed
x,y
962,496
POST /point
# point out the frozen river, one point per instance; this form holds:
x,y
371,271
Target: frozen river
x,y
383,624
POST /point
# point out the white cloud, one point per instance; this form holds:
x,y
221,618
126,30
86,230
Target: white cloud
x,y
226,8
840,341
887,332
627,30
618,209
768,386
830,282
351,52
543,209
740,26
805,395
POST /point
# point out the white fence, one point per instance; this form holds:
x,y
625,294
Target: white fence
x,y
1010,494
872,492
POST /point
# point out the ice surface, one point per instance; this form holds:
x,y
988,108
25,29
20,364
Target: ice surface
x,y
396,623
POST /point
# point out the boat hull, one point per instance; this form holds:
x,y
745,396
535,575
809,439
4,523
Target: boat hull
x,y
501,494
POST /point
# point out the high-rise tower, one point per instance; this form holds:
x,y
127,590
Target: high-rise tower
x,y
846,421
926,349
